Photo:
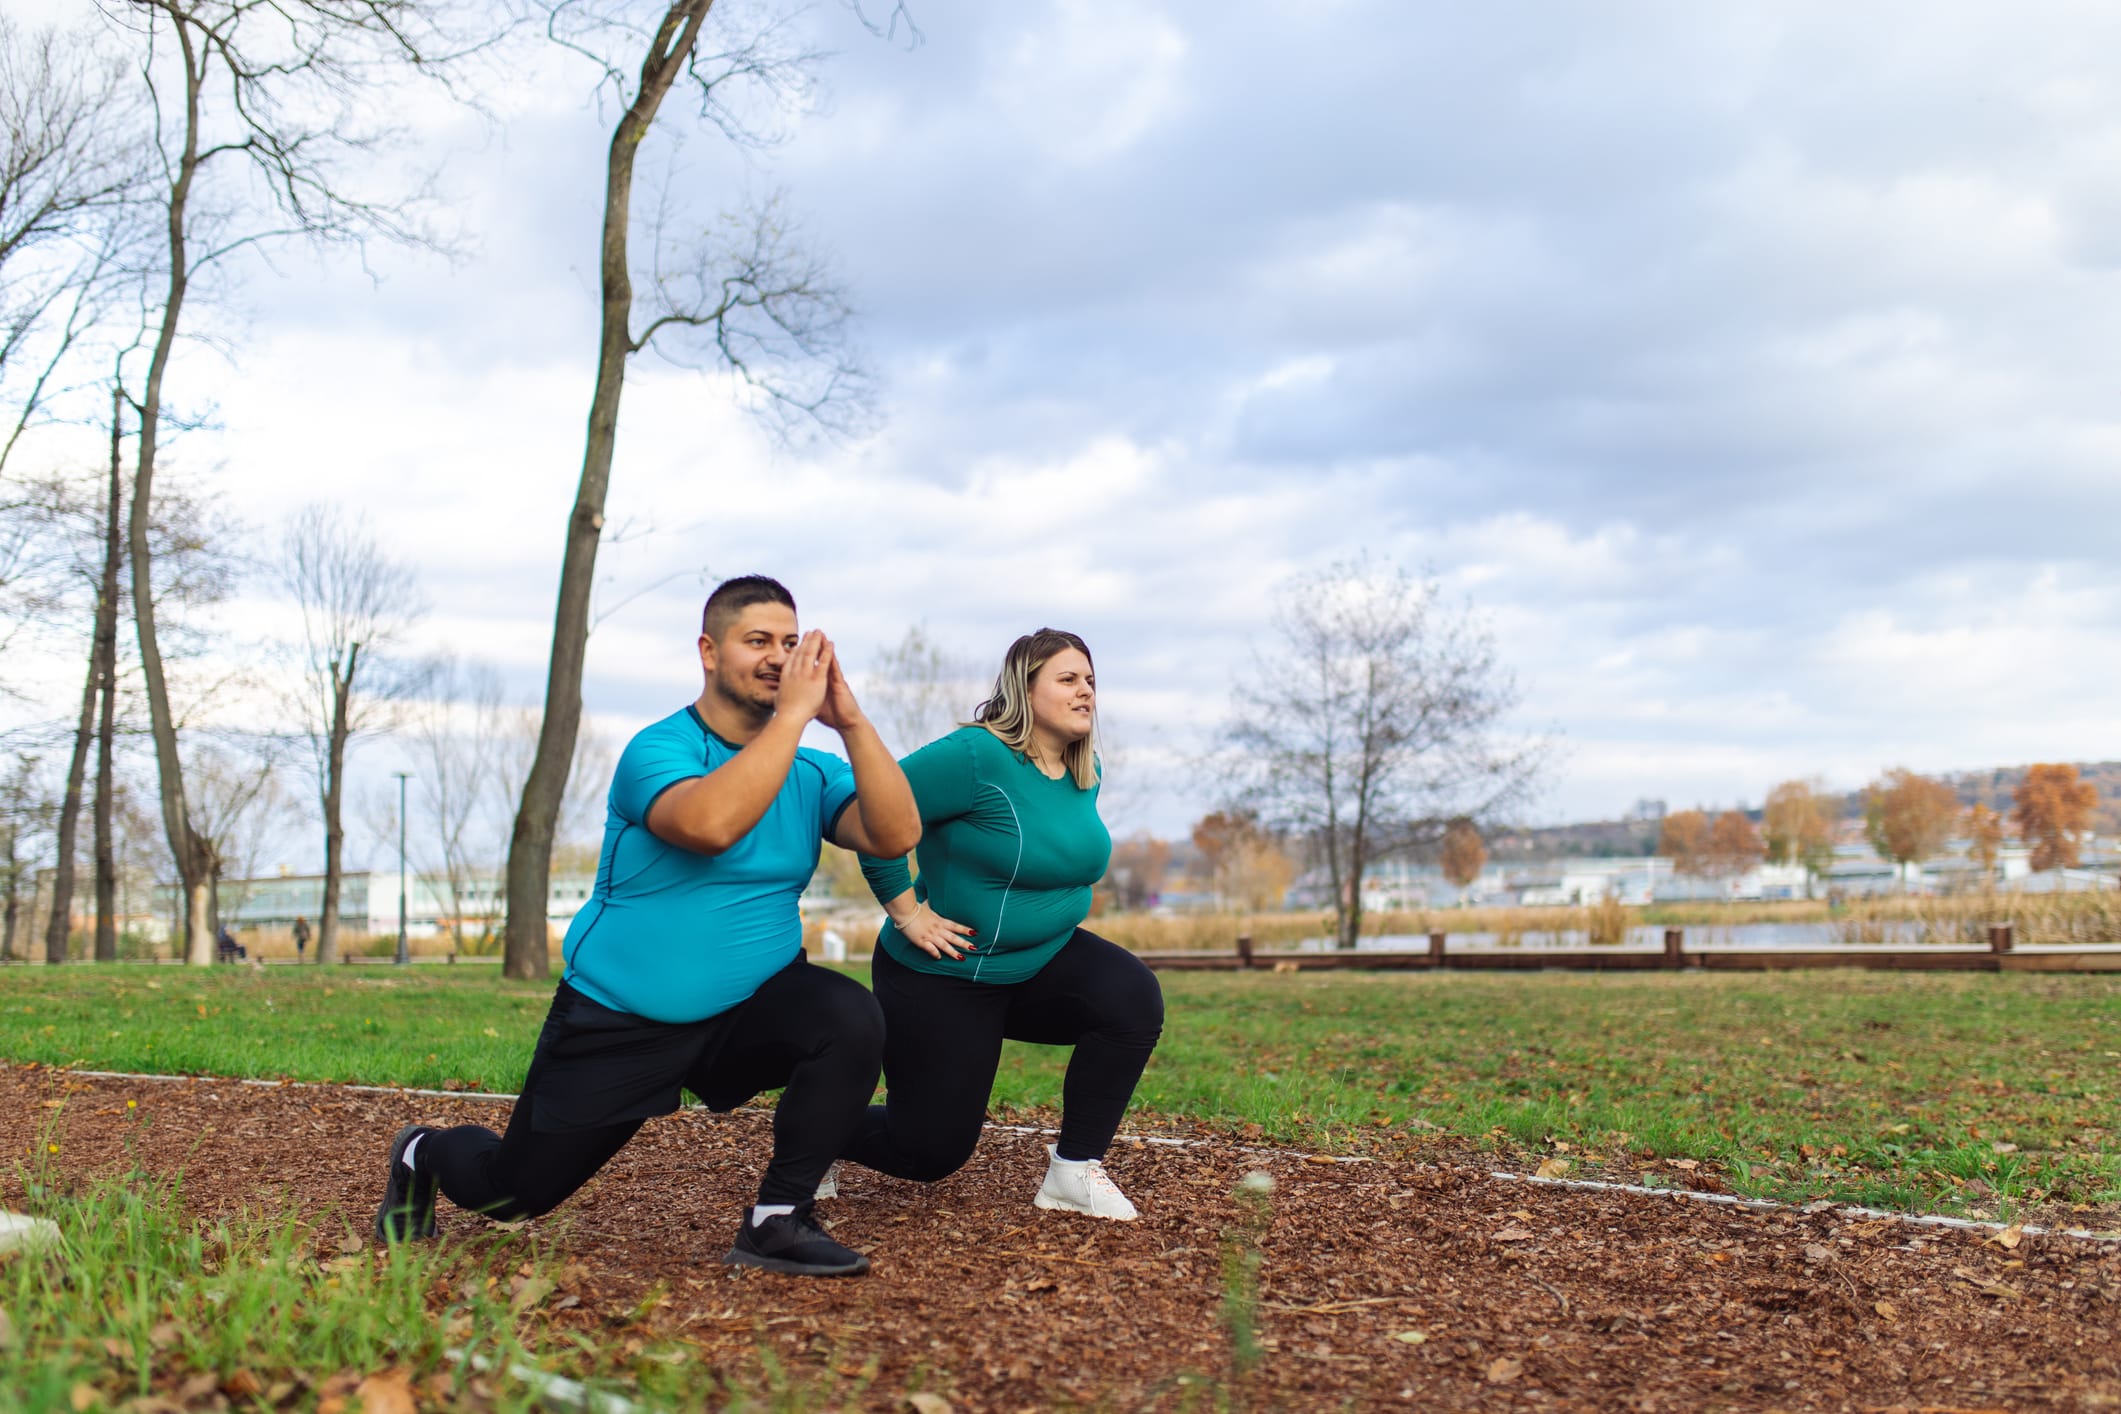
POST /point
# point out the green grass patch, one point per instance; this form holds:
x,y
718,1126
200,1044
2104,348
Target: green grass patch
x,y
1944,1091
140,1302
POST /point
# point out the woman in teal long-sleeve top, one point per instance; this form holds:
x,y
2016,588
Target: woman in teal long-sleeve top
x,y
989,945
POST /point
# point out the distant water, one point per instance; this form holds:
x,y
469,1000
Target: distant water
x,y
1736,935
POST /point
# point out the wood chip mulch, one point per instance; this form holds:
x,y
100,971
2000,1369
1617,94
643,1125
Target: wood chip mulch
x,y
1419,1283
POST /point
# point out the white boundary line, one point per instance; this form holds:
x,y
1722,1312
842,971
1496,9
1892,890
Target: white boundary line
x,y
1589,1185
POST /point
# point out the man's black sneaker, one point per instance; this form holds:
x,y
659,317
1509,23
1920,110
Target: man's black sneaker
x,y
408,1207
793,1243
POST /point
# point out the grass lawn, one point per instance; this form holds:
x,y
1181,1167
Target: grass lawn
x,y
1947,1092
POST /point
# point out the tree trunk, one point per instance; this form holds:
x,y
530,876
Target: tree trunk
x,y
334,798
187,848
527,950
106,725
58,929
59,926
13,909
106,675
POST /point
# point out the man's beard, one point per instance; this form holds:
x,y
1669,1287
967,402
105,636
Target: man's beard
x,y
744,694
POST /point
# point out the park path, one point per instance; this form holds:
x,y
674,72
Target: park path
x,y
1418,1283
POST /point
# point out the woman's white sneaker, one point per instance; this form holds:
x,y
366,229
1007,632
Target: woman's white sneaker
x,y
1082,1188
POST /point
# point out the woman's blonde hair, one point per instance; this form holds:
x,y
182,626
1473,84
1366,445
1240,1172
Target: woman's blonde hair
x,y
1007,712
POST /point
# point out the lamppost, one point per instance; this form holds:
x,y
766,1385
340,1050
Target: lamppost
x,y
403,956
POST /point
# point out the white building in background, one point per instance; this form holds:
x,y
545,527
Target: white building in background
x,y
368,901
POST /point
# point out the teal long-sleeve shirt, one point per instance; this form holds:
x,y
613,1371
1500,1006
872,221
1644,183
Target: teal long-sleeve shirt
x,y
1005,849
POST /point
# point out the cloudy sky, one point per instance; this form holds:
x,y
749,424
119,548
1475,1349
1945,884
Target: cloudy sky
x,y
1751,367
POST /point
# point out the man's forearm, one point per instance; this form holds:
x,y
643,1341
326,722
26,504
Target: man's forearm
x,y
891,818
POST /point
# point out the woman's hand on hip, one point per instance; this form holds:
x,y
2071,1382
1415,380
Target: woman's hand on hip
x,y
936,935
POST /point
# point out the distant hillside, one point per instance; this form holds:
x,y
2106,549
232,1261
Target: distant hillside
x,y
1610,838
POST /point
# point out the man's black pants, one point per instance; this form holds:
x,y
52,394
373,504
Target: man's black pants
x,y
598,1074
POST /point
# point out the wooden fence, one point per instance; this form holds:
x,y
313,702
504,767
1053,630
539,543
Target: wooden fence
x,y
1999,956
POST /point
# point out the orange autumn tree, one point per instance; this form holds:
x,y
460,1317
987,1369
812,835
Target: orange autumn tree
x,y
1909,817
1984,841
1463,855
1799,821
1734,845
2052,809
1685,841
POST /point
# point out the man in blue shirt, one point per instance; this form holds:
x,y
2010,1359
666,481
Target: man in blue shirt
x,y
685,970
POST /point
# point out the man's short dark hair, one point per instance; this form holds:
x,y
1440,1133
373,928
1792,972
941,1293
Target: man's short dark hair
x,y
732,596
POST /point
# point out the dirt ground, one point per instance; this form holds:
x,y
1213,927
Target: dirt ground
x,y
1418,1282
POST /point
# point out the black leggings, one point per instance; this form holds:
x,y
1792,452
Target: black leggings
x,y
811,1029
943,1041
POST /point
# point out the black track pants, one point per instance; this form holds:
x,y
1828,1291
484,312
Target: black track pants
x,y
943,1040
808,1028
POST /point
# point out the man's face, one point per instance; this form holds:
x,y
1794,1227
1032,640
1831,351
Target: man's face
x,y
744,666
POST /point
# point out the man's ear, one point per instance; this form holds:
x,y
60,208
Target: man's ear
x,y
707,655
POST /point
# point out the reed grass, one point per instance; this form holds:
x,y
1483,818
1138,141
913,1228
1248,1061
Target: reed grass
x,y
2038,920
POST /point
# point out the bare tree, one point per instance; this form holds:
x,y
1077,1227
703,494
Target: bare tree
x,y
262,113
101,665
24,815
356,604
1372,720
741,297
103,672
241,806
918,690
462,751
72,172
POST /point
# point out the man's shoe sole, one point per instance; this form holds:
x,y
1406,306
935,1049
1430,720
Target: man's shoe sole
x,y
738,1257
1062,1205
384,1211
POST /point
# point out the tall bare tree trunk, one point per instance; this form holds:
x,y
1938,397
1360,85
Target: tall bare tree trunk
x,y
186,846
334,798
58,925
527,949
58,929
105,673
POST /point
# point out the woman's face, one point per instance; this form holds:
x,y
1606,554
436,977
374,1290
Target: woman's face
x,y
1064,697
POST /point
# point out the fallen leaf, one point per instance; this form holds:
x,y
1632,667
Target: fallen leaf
x,y
242,1385
83,1398
55,1104
1552,1168
1886,1310
1502,1370
164,1335
526,1292
2010,1236
1813,1252
926,1403
1411,1337
2002,1148
198,1386
1982,1284
1684,1165
386,1392
1513,1233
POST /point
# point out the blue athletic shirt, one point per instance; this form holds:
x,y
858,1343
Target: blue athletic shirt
x,y
677,936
